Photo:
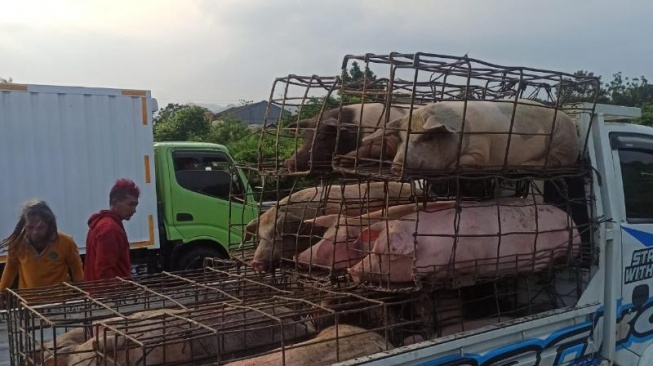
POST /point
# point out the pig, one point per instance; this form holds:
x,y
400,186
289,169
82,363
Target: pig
x,y
283,233
336,250
435,136
177,343
324,131
76,346
334,344
78,355
523,227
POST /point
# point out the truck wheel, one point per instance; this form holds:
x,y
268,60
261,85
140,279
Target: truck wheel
x,y
194,258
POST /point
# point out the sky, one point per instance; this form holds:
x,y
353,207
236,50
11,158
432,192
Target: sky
x,y
221,51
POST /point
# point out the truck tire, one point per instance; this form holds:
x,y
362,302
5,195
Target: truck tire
x,y
194,258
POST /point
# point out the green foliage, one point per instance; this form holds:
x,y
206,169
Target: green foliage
x,y
635,92
647,114
164,114
355,80
226,130
582,89
187,123
245,151
311,108
355,74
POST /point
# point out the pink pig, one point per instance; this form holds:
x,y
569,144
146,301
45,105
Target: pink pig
x,y
339,247
522,238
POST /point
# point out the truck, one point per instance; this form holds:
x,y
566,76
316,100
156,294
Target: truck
x,y
611,323
610,320
68,145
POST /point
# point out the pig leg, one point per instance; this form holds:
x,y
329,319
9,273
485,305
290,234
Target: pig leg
x,y
372,150
474,159
475,153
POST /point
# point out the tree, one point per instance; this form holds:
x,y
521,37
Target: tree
x,y
6,81
227,130
188,123
583,88
355,80
623,91
635,92
355,74
166,113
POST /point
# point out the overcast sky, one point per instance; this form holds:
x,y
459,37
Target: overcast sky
x,y
220,51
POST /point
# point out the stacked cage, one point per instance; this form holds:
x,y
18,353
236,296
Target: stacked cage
x,y
211,316
443,176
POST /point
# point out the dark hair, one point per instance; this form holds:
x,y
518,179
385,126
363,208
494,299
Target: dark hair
x,y
123,188
32,208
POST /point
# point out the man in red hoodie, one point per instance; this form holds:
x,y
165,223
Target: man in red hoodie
x,y
107,247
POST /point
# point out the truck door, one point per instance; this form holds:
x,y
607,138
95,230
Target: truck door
x,y
209,197
633,159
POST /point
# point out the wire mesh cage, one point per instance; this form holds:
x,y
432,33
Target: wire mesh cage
x,y
461,115
238,316
429,234
418,114
487,114
293,132
486,218
47,320
208,316
288,226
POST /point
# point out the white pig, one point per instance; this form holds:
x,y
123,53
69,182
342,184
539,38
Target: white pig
x,y
333,344
435,136
530,239
168,339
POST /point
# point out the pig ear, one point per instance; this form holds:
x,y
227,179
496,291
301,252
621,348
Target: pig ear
x,y
373,231
378,134
304,123
369,235
287,222
334,123
250,230
330,122
324,221
442,120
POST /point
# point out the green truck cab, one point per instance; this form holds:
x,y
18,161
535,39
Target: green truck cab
x,y
204,201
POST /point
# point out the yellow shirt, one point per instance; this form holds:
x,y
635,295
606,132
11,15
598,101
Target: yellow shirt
x,y
48,268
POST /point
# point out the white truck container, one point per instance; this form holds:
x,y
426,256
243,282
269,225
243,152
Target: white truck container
x,y
612,322
67,146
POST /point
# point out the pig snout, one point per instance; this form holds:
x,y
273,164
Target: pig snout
x,y
396,169
260,266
